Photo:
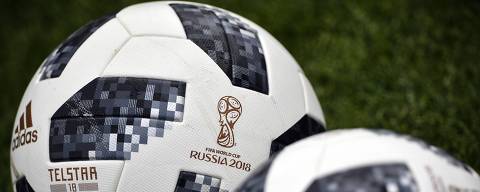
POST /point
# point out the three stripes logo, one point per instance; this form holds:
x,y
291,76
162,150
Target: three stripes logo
x,y
24,132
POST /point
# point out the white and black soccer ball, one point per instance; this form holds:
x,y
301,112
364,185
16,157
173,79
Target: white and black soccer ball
x,y
161,96
362,160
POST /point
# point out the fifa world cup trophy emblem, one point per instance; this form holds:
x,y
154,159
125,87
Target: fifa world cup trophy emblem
x,y
230,110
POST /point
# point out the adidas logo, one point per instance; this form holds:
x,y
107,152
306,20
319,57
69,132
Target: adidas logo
x,y
24,131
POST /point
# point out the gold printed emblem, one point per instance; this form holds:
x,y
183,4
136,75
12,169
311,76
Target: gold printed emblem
x,y
230,110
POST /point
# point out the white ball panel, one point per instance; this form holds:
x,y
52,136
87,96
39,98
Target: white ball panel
x,y
149,57
312,105
285,87
153,18
361,150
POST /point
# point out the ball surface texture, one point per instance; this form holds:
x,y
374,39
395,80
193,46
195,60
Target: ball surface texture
x,y
160,96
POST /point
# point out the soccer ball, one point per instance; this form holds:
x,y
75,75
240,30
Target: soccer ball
x,y
362,160
161,96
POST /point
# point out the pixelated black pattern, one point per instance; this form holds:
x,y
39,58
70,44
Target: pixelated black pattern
x,y
22,185
196,182
231,43
303,128
56,62
111,116
248,62
376,178
256,181
126,97
205,29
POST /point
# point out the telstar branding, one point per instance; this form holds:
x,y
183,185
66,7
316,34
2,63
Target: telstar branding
x,y
73,179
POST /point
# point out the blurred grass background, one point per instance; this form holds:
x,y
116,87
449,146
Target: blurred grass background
x,y
411,66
